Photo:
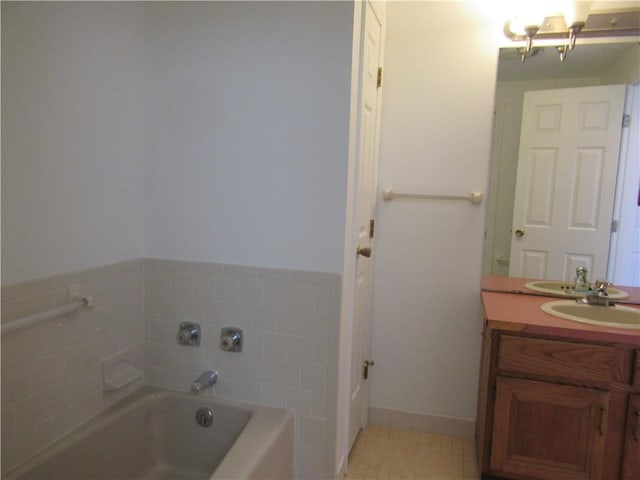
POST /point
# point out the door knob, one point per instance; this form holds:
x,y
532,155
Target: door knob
x,y
519,233
364,251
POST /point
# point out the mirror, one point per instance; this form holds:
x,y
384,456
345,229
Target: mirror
x,y
587,65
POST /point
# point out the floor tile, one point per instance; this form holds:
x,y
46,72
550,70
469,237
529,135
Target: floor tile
x,y
387,453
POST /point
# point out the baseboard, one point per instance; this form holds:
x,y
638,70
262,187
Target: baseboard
x,y
458,427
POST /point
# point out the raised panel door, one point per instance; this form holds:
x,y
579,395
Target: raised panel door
x,y
565,186
548,431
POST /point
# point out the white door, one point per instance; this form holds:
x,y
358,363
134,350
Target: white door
x,y
367,151
565,186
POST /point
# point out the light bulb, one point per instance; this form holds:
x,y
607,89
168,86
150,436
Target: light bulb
x,y
576,13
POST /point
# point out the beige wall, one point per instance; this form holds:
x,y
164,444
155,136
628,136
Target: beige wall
x,y
436,127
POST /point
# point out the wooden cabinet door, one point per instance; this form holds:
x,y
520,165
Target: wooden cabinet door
x,y
631,464
548,431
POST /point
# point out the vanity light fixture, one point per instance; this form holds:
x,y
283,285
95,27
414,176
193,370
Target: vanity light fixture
x,y
580,18
575,18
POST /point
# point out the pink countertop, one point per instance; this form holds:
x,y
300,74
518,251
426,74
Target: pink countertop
x,y
492,283
522,313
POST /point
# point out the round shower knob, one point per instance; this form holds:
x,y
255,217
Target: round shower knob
x,y
231,339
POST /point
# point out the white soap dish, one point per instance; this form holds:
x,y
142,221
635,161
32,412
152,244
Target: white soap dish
x,y
118,370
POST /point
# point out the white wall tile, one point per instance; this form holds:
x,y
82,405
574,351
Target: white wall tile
x,y
284,362
299,401
263,318
183,284
303,295
205,286
274,395
276,346
289,321
16,385
192,359
277,292
301,349
240,270
288,318
57,362
263,370
286,373
250,290
314,377
254,343
239,366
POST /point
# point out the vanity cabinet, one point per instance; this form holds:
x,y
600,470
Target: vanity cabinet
x,y
557,408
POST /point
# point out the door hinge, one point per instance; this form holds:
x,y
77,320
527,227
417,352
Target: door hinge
x,y
379,84
614,226
626,120
372,227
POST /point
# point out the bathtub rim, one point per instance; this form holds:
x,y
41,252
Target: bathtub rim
x,y
265,425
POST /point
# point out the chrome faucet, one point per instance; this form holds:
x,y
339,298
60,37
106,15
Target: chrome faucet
x,y
581,283
598,296
206,380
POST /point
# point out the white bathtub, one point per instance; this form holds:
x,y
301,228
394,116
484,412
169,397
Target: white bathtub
x,y
153,434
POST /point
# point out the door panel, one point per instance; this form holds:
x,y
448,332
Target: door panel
x,y
565,187
549,431
540,186
367,147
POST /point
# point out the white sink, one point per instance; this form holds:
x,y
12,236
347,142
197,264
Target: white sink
x,y
612,316
565,289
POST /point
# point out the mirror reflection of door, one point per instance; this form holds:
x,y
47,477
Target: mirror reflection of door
x,y
566,181
588,65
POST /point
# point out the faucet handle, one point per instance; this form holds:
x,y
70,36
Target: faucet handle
x,y
581,283
601,286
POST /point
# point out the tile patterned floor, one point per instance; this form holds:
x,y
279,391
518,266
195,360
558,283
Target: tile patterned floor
x,y
395,454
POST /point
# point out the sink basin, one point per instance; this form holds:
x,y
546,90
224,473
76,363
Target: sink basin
x,y
564,289
614,316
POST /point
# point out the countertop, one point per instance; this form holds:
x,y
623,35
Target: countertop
x,y
522,313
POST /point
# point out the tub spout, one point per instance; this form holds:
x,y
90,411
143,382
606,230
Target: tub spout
x,y
206,380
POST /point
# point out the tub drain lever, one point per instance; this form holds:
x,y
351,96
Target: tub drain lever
x,y
204,417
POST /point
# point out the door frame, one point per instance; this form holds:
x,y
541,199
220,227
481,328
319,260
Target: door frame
x,y
627,185
343,367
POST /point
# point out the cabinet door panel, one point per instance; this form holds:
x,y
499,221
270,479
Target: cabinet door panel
x,y
549,431
631,465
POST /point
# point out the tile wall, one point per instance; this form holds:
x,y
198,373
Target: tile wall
x,y
52,372
290,323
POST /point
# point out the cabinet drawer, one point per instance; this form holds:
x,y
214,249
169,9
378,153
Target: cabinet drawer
x,y
636,369
556,359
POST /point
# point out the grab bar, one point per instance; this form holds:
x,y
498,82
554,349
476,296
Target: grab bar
x,y
473,197
25,322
